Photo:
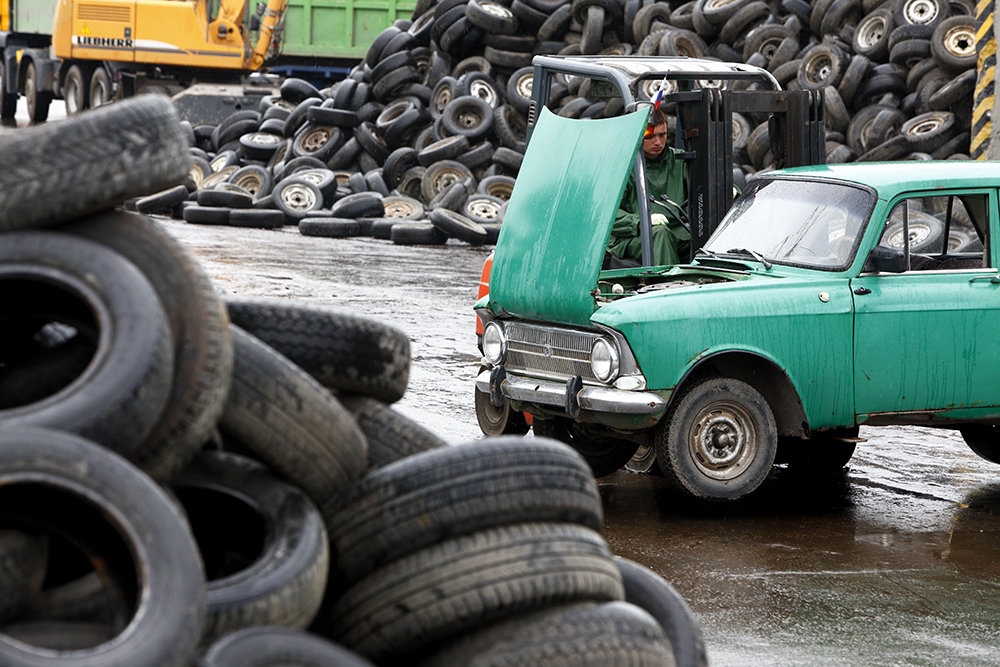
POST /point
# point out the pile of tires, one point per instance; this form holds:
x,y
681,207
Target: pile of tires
x,y
190,478
422,142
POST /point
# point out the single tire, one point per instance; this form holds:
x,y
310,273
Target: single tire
x,y
651,592
8,100
346,352
403,207
391,435
417,232
118,399
925,233
582,635
121,519
458,226
76,90
927,131
359,205
447,589
719,441
604,454
102,91
36,99
268,646
91,162
203,349
425,498
287,420
263,543
440,175
468,115
297,198
256,218
331,228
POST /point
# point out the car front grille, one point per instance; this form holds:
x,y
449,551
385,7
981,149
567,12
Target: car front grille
x,y
549,352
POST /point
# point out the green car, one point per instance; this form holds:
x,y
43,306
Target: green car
x,y
828,297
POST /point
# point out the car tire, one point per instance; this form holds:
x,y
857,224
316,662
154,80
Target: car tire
x,y
111,511
55,277
445,590
445,492
264,544
267,646
91,162
290,422
348,353
651,592
693,453
391,435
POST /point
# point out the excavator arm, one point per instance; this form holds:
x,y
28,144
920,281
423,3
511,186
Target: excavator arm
x,y
272,20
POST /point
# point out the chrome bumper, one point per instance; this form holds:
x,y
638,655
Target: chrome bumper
x,y
588,397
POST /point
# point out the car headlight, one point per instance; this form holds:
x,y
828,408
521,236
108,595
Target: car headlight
x,y
494,343
604,360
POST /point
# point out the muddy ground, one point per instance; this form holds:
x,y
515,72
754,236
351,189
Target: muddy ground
x,y
896,561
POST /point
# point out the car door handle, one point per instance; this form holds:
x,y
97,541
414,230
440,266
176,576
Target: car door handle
x,y
995,279
861,291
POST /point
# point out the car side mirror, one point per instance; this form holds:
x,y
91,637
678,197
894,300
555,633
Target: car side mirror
x,y
885,260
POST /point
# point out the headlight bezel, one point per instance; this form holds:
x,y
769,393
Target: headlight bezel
x,y
494,343
605,360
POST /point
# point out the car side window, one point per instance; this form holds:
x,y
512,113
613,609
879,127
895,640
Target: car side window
x,y
938,233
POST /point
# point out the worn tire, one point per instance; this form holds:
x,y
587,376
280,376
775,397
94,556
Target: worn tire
x,y
390,434
91,162
262,540
648,590
287,420
268,646
203,349
702,462
343,351
447,589
49,276
122,520
422,499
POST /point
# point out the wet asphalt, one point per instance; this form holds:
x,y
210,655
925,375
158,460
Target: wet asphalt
x,y
894,561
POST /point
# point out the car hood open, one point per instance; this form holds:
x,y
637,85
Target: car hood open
x,y
560,214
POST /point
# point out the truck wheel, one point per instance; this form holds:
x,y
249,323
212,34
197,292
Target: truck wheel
x,y
603,454
38,100
76,90
983,439
101,91
720,441
8,101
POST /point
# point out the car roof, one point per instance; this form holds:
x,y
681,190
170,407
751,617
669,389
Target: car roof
x,y
888,178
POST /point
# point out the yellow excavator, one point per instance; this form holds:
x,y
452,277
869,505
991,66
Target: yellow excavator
x,y
96,50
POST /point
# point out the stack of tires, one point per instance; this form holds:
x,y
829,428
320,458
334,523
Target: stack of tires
x,y
187,478
422,142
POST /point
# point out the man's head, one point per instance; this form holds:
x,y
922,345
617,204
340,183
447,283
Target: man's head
x,y
655,138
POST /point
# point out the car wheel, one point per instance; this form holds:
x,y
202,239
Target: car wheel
x,y
925,233
983,439
498,421
603,454
720,441
644,461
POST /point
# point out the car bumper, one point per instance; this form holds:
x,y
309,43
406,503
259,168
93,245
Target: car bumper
x,y
569,397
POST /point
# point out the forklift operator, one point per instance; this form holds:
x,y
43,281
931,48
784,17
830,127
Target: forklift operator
x,y
664,178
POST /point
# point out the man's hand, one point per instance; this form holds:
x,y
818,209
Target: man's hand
x,y
658,219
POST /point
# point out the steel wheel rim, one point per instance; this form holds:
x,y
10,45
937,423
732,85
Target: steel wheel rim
x,y
298,197
723,441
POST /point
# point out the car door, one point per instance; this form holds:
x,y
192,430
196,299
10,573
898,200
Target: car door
x,y
926,338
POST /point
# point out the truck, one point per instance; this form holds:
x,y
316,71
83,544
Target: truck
x,y
88,52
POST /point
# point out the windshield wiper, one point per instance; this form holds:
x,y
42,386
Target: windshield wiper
x,y
756,255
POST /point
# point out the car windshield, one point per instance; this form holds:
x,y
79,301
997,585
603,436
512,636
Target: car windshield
x,y
815,224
